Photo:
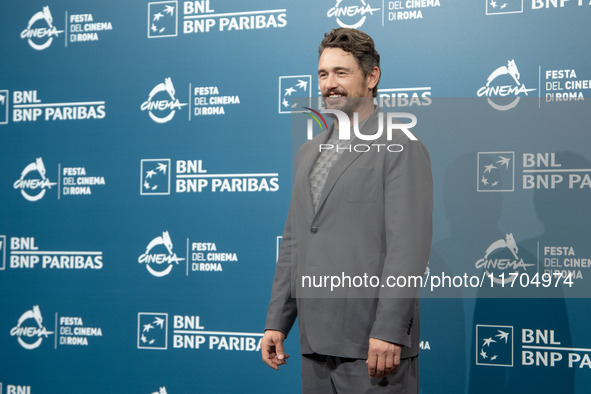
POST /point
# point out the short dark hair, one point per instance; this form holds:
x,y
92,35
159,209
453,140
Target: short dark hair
x,y
356,42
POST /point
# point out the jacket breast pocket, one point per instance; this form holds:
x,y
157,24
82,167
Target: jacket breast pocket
x,y
361,185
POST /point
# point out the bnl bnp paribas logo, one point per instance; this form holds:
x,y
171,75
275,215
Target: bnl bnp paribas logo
x,y
294,86
199,16
503,88
40,30
494,345
499,7
29,330
188,333
155,177
152,330
159,258
539,348
2,252
162,104
351,13
16,389
33,182
4,106
496,172
162,19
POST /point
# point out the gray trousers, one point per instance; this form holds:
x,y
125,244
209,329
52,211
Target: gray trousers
x,y
329,374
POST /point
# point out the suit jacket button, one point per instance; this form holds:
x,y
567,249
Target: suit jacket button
x,y
314,230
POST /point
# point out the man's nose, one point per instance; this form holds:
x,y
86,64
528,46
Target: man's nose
x,y
330,82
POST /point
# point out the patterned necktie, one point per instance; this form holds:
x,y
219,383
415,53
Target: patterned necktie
x,y
322,167
325,161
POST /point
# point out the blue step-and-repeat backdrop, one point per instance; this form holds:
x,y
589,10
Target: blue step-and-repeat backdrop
x,y
145,176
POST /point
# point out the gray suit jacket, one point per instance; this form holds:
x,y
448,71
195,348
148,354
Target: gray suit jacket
x,y
374,218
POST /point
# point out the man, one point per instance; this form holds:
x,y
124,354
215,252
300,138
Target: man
x,y
353,213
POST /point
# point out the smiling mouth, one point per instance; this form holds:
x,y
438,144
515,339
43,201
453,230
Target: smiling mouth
x,y
335,94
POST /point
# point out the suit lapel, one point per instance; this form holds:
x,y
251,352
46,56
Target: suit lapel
x,y
335,173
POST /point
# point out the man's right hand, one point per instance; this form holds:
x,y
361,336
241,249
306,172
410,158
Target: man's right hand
x,y
272,349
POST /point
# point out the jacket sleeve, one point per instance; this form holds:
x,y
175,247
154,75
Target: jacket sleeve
x,y
408,199
282,311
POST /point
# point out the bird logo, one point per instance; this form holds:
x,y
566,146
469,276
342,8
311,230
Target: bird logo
x,y
162,19
292,88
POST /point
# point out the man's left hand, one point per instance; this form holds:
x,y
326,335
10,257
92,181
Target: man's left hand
x,y
383,358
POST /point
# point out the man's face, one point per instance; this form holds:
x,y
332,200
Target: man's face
x,y
341,79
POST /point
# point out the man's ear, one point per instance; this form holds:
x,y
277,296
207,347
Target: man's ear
x,y
373,78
